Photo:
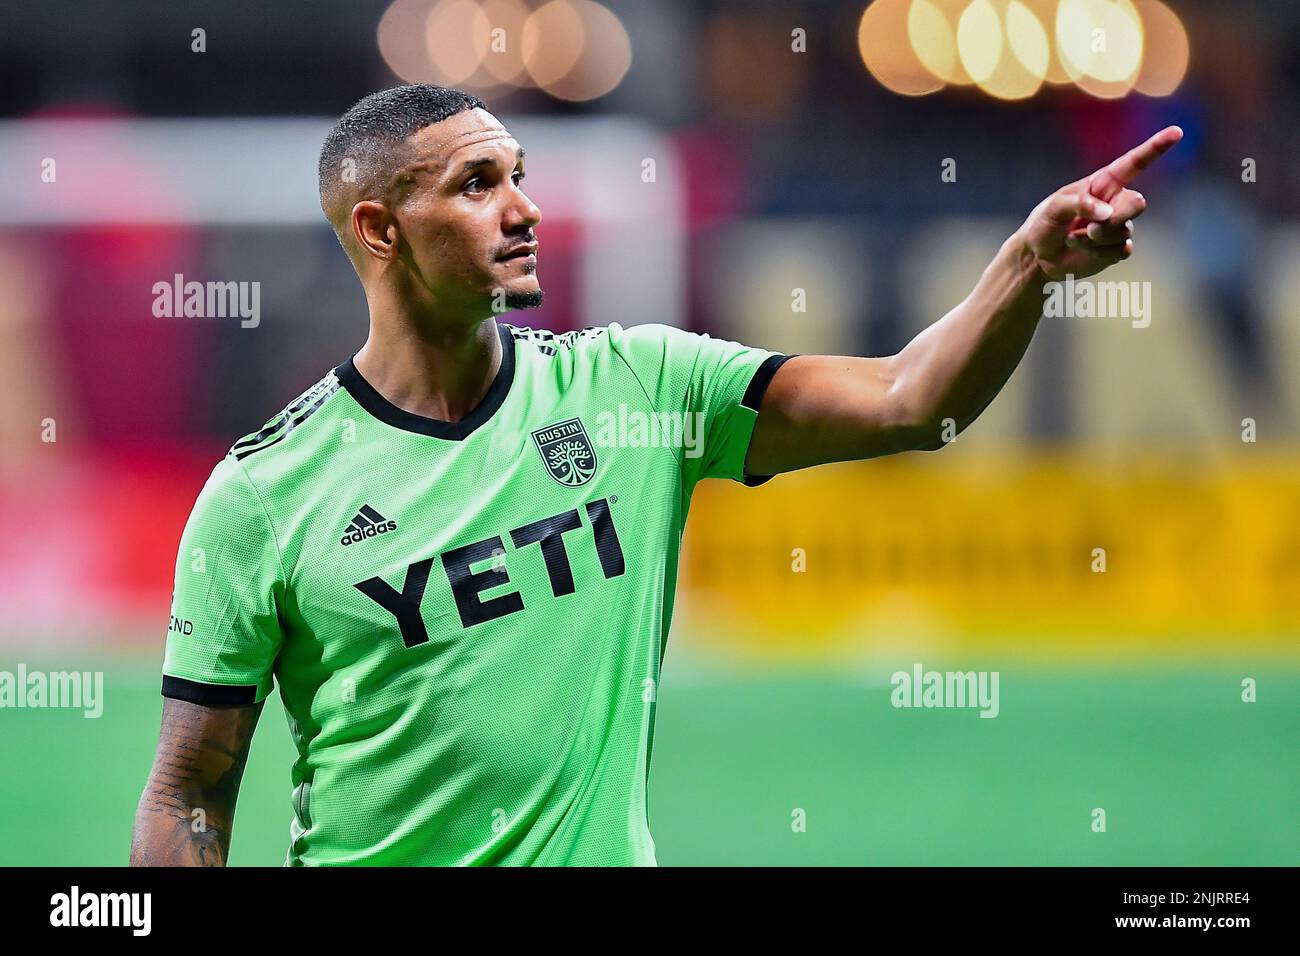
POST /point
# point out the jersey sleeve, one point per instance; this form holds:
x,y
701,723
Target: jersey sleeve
x,y
224,632
718,382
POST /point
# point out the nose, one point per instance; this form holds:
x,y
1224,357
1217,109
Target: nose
x,y
523,212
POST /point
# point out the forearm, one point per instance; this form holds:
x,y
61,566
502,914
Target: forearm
x,y
821,409
824,408
186,814
173,828
953,369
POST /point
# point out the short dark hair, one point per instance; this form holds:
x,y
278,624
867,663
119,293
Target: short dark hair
x,y
372,132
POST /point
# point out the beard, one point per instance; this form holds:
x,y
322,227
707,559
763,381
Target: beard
x,y
523,300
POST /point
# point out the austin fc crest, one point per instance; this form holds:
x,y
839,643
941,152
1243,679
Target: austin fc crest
x,y
567,452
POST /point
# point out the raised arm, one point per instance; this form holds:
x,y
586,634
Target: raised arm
x,y
187,812
823,408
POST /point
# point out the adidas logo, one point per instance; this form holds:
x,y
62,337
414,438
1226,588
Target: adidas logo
x,y
366,524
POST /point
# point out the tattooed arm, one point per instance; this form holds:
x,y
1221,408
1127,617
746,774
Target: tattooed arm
x,y
198,766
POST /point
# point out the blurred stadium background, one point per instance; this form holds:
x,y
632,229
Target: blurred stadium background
x,y
770,172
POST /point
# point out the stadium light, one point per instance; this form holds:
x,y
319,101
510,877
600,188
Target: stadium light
x,y
896,65
1167,50
1010,48
571,49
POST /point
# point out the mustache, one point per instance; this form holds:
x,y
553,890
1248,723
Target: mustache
x,y
525,240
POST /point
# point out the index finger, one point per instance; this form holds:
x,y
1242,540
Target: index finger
x,y
1126,168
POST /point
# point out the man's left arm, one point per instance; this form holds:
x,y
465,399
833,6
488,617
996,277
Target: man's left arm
x,y
824,408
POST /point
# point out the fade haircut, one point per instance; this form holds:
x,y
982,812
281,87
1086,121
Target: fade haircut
x,y
372,136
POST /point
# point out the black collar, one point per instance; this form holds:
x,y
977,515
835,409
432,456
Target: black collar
x,y
384,410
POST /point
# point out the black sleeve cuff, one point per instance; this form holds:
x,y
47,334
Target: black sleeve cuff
x,y
754,400
209,695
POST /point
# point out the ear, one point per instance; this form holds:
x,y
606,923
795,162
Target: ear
x,y
374,229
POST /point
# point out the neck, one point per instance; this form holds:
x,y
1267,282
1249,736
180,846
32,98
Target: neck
x,y
432,369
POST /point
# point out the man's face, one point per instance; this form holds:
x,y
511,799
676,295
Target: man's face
x,y
466,225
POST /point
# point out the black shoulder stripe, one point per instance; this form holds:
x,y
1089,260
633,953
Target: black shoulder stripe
x,y
327,385
242,451
293,423
548,342
271,428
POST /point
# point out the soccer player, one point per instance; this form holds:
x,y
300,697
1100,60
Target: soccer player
x,y
463,596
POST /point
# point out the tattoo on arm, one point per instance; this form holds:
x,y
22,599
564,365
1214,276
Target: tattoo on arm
x,y
187,811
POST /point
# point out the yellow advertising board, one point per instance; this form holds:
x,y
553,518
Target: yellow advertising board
x,y
1048,549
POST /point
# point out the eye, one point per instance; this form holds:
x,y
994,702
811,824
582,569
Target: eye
x,y
518,177
470,186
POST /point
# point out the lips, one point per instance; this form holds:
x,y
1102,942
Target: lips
x,y
527,249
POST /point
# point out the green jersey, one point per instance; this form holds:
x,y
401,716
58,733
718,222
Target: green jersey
x,y
466,620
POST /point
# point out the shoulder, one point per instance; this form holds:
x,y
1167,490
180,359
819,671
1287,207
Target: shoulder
x,y
286,428
551,343
635,345
286,452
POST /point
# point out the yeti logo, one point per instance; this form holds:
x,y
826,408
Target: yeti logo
x,y
567,452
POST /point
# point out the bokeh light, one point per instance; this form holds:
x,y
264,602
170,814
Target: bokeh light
x,y
400,35
450,32
889,55
1022,63
571,49
1044,12
932,37
1100,43
1167,50
979,40
1010,48
502,26
593,54
1027,39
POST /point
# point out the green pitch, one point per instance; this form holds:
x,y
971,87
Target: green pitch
x,y
1186,773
